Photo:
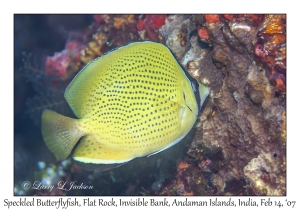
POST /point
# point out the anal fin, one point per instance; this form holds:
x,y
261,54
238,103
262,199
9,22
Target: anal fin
x,y
94,150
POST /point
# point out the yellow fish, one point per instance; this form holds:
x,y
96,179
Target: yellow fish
x,y
134,101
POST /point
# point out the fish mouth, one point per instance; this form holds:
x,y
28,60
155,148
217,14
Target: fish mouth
x,y
191,110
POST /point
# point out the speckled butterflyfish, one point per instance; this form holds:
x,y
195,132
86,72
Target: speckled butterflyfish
x,y
134,101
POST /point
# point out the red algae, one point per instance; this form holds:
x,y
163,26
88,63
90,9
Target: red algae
x,y
181,166
212,18
156,21
151,23
140,25
278,80
203,33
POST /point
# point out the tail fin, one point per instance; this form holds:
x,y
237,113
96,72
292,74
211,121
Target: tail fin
x,y
60,133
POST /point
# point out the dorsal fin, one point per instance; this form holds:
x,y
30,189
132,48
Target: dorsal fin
x,y
77,93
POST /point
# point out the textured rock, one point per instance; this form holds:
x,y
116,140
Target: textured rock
x,y
239,144
176,31
266,174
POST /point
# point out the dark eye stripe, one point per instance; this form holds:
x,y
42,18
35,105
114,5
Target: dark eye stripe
x,y
197,95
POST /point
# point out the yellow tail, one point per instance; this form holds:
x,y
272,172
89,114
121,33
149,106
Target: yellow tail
x,y
60,133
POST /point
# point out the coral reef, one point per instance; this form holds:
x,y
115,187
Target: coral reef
x,y
238,146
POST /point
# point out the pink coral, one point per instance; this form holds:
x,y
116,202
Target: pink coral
x,y
58,64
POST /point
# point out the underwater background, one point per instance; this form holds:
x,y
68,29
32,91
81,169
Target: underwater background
x,y
238,147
